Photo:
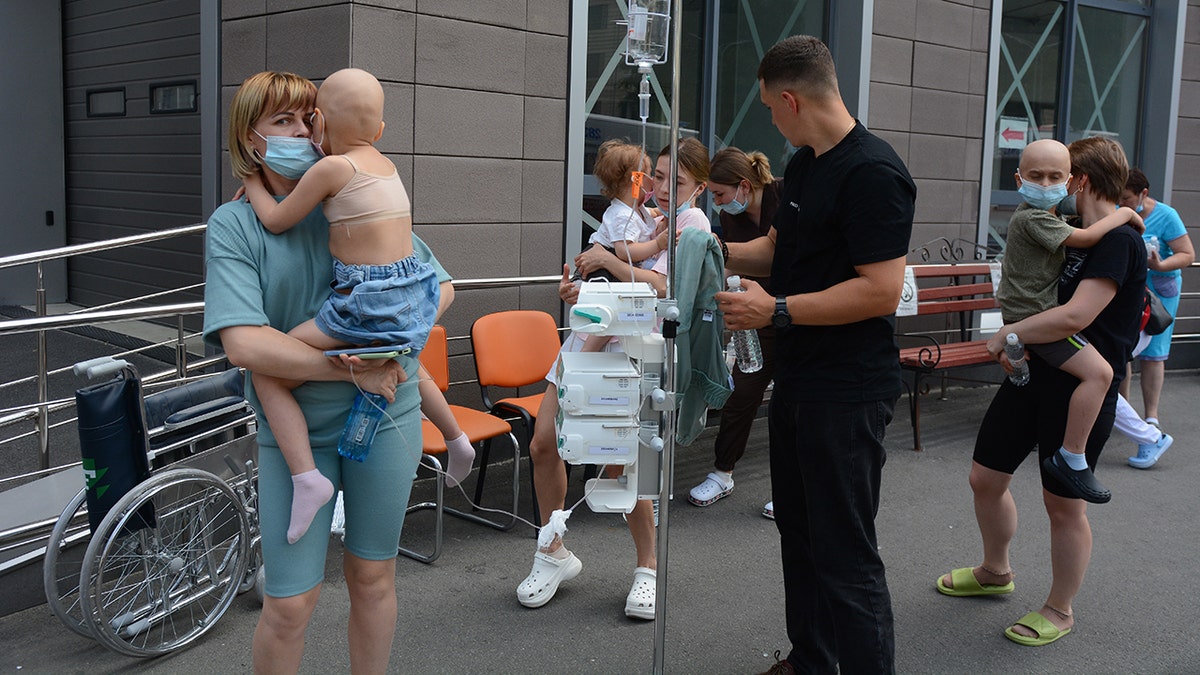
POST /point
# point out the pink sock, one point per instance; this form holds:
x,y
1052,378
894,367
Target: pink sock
x,y
310,491
460,456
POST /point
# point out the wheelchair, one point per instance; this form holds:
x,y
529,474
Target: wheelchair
x,y
149,555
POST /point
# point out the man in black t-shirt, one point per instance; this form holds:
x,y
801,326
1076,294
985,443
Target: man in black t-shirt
x,y
835,257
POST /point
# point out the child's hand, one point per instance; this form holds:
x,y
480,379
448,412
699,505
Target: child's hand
x,y
253,182
568,290
378,376
663,240
1135,220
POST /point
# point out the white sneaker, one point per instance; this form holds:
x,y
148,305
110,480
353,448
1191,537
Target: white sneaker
x,y
768,511
548,572
711,490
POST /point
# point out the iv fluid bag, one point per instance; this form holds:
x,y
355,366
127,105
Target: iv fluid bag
x,y
649,25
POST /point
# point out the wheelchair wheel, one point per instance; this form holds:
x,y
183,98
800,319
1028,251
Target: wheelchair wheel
x,y
63,563
165,563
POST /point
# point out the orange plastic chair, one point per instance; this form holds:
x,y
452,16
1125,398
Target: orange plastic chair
x,y
514,348
479,426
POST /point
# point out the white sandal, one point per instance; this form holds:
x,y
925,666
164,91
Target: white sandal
x,y
543,580
639,604
712,489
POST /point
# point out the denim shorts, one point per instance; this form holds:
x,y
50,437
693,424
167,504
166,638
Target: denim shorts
x,y
371,305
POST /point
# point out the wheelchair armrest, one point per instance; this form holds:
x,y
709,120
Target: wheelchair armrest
x,y
162,405
204,411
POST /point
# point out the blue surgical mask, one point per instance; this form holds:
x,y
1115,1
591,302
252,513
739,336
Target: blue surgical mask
x,y
687,204
1139,207
289,156
1042,197
1066,207
734,207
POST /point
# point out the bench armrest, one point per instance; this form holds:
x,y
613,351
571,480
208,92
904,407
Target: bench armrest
x,y
924,356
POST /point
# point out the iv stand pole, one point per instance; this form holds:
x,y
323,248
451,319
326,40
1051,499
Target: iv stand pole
x,y
669,330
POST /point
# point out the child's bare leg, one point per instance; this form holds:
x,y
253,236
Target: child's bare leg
x,y
594,343
310,489
460,452
1095,375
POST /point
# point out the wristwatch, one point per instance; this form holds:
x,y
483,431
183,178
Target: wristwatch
x,y
781,318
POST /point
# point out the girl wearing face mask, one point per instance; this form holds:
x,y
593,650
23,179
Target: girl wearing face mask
x,y
747,196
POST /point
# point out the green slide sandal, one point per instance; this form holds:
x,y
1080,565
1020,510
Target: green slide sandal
x,y
966,585
1046,632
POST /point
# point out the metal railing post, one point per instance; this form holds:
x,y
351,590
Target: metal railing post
x,y
43,418
180,349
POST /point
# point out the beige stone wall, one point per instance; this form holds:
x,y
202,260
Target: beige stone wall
x,y
1186,191
1185,194
928,98
475,113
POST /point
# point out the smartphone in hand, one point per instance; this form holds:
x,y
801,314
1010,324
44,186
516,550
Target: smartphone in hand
x,y
380,352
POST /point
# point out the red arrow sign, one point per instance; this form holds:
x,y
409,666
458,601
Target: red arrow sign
x,y
1012,135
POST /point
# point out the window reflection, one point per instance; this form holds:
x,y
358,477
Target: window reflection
x,y
1106,86
1103,94
746,29
1029,83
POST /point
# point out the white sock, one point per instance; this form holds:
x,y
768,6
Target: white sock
x,y
310,491
460,457
726,476
1152,421
1074,460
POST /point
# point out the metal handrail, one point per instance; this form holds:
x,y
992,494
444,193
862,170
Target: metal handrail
x,y
90,318
79,319
97,246
118,311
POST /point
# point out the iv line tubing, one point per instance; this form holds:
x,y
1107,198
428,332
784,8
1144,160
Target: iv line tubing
x,y
669,418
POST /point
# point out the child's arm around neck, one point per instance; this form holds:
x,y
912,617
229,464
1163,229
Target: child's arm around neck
x,y
1090,236
325,178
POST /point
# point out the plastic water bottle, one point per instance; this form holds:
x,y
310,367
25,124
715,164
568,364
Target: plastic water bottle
x,y
1152,246
361,426
1016,356
745,342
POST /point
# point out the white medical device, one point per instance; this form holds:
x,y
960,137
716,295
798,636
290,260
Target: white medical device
x,y
611,403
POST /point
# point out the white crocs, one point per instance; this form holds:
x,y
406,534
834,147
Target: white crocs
x,y
543,580
712,489
639,604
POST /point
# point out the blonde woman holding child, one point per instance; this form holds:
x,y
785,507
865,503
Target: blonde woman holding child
x,y
382,293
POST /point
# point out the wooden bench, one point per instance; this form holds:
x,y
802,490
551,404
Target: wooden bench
x,y
954,291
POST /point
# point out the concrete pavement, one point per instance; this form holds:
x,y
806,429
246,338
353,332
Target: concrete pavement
x,y
1136,613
